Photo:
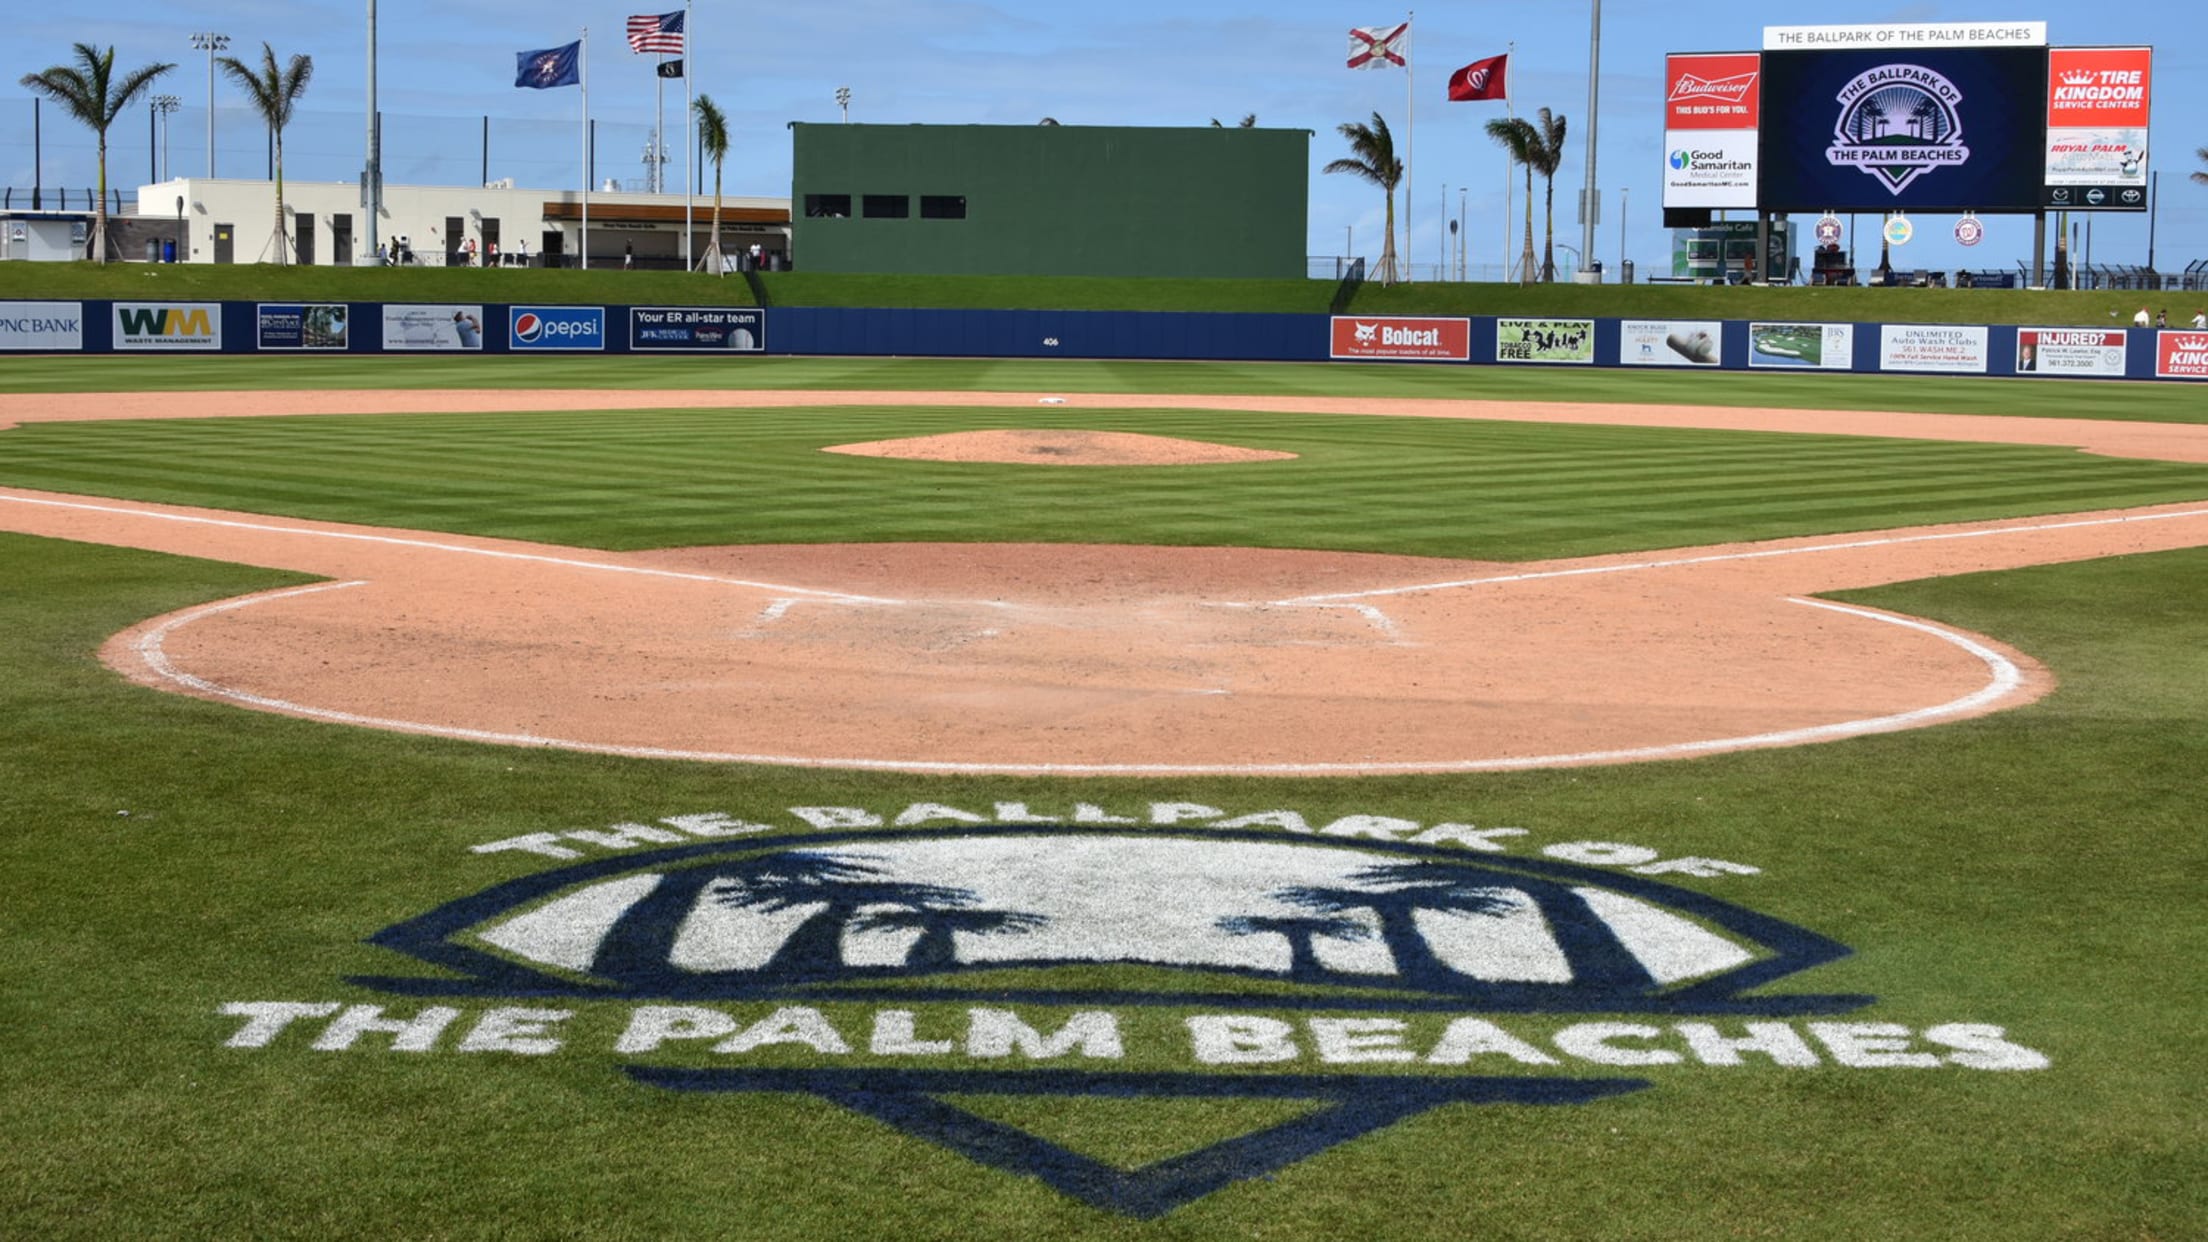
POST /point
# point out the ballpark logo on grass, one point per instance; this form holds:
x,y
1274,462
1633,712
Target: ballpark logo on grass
x,y
556,327
1427,340
1368,966
168,325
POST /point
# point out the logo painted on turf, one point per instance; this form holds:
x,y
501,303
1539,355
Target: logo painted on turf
x,y
1370,966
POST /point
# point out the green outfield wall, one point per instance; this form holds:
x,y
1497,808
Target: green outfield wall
x,y
1050,200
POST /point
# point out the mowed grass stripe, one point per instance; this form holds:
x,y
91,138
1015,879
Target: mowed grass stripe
x,y
2032,398
647,478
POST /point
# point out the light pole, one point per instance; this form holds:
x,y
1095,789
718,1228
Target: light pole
x,y
163,105
1625,194
1593,207
843,101
210,43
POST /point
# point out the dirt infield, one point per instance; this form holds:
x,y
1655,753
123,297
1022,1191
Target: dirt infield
x,y
1015,658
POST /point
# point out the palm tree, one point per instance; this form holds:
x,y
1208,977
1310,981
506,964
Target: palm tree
x,y
87,90
274,93
1301,931
1249,121
2202,177
713,136
1548,156
1517,136
1374,161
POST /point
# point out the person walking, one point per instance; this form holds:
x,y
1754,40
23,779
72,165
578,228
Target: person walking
x,y
2142,319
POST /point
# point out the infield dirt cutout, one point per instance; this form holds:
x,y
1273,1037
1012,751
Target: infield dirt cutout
x,y
1088,659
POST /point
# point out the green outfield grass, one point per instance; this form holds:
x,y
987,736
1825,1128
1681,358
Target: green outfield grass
x,y
2040,869
261,282
2169,403
654,478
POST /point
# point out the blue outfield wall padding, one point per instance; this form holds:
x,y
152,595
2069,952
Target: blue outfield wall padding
x,y
1130,335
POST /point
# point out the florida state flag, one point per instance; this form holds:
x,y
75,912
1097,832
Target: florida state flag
x,y
1482,79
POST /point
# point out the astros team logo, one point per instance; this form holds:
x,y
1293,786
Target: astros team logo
x,y
1897,123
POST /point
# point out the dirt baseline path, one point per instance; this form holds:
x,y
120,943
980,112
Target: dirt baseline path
x,y
1079,660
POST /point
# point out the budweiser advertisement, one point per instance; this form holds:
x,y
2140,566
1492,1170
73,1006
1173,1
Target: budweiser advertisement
x,y
1401,338
1712,107
2181,355
2097,104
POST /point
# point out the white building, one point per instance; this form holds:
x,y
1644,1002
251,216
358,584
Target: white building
x,y
233,221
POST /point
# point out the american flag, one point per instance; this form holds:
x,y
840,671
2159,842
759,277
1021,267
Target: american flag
x,y
660,32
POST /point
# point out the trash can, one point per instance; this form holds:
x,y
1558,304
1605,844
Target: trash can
x,y
168,252
1625,271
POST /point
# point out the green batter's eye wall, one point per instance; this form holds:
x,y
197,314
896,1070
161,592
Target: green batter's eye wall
x,y
1050,200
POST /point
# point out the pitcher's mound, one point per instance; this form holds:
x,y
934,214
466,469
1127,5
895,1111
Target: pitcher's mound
x,y
1060,448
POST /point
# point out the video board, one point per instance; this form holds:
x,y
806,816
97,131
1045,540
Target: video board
x,y
1921,129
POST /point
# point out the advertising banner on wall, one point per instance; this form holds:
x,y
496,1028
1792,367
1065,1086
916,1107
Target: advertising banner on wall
x,y
42,325
2097,105
2074,353
1924,129
1545,340
168,326
1802,346
427,328
2181,355
1399,337
1712,105
1953,348
1670,343
700,328
556,327
295,326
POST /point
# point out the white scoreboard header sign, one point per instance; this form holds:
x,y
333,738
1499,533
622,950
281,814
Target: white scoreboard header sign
x,y
1903,36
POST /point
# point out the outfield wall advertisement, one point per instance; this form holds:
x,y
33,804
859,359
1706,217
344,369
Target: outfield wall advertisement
x,y
1396,337
1802,346
438,329
42,325
286,326
556,327
697,328
1671,343
2181,355
1950,348
1545,340
188,326
2081,353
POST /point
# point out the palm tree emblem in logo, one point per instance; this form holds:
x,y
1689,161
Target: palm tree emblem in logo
x,y
1897,123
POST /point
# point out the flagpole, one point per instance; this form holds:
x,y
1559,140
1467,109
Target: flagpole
x,y
1510,183
659,124
1410,145
689,139
582,79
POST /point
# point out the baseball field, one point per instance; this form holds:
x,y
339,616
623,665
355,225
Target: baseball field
x,y
823,798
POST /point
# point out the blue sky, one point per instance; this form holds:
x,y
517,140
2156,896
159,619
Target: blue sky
x,y
445,66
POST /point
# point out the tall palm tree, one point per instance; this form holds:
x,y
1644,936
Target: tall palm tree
x,y
274,93
713,136
2202,177
1548,156
1373,159
1517,136
88,91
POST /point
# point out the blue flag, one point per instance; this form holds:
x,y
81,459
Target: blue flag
x,y
553,66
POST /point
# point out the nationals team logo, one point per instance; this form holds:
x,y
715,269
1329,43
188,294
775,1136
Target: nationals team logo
x,y
1897,123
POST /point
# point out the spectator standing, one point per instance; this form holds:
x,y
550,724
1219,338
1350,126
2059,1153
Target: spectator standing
x,y
2142,319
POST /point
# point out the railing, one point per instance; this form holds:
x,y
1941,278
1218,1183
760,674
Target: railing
x,y
57,198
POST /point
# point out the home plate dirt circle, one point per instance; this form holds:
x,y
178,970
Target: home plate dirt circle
x,y
1008,658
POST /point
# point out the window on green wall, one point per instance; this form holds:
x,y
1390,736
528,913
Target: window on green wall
x,y
827,206
886,206
942,206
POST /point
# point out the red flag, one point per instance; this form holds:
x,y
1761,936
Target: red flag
x,y
1482,79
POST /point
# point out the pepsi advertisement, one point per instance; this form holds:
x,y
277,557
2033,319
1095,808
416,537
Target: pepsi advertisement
x,y
556,327
1931,129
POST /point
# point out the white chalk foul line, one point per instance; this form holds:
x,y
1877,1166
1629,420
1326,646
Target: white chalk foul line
x,y
434,546
2004,678
1759,554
